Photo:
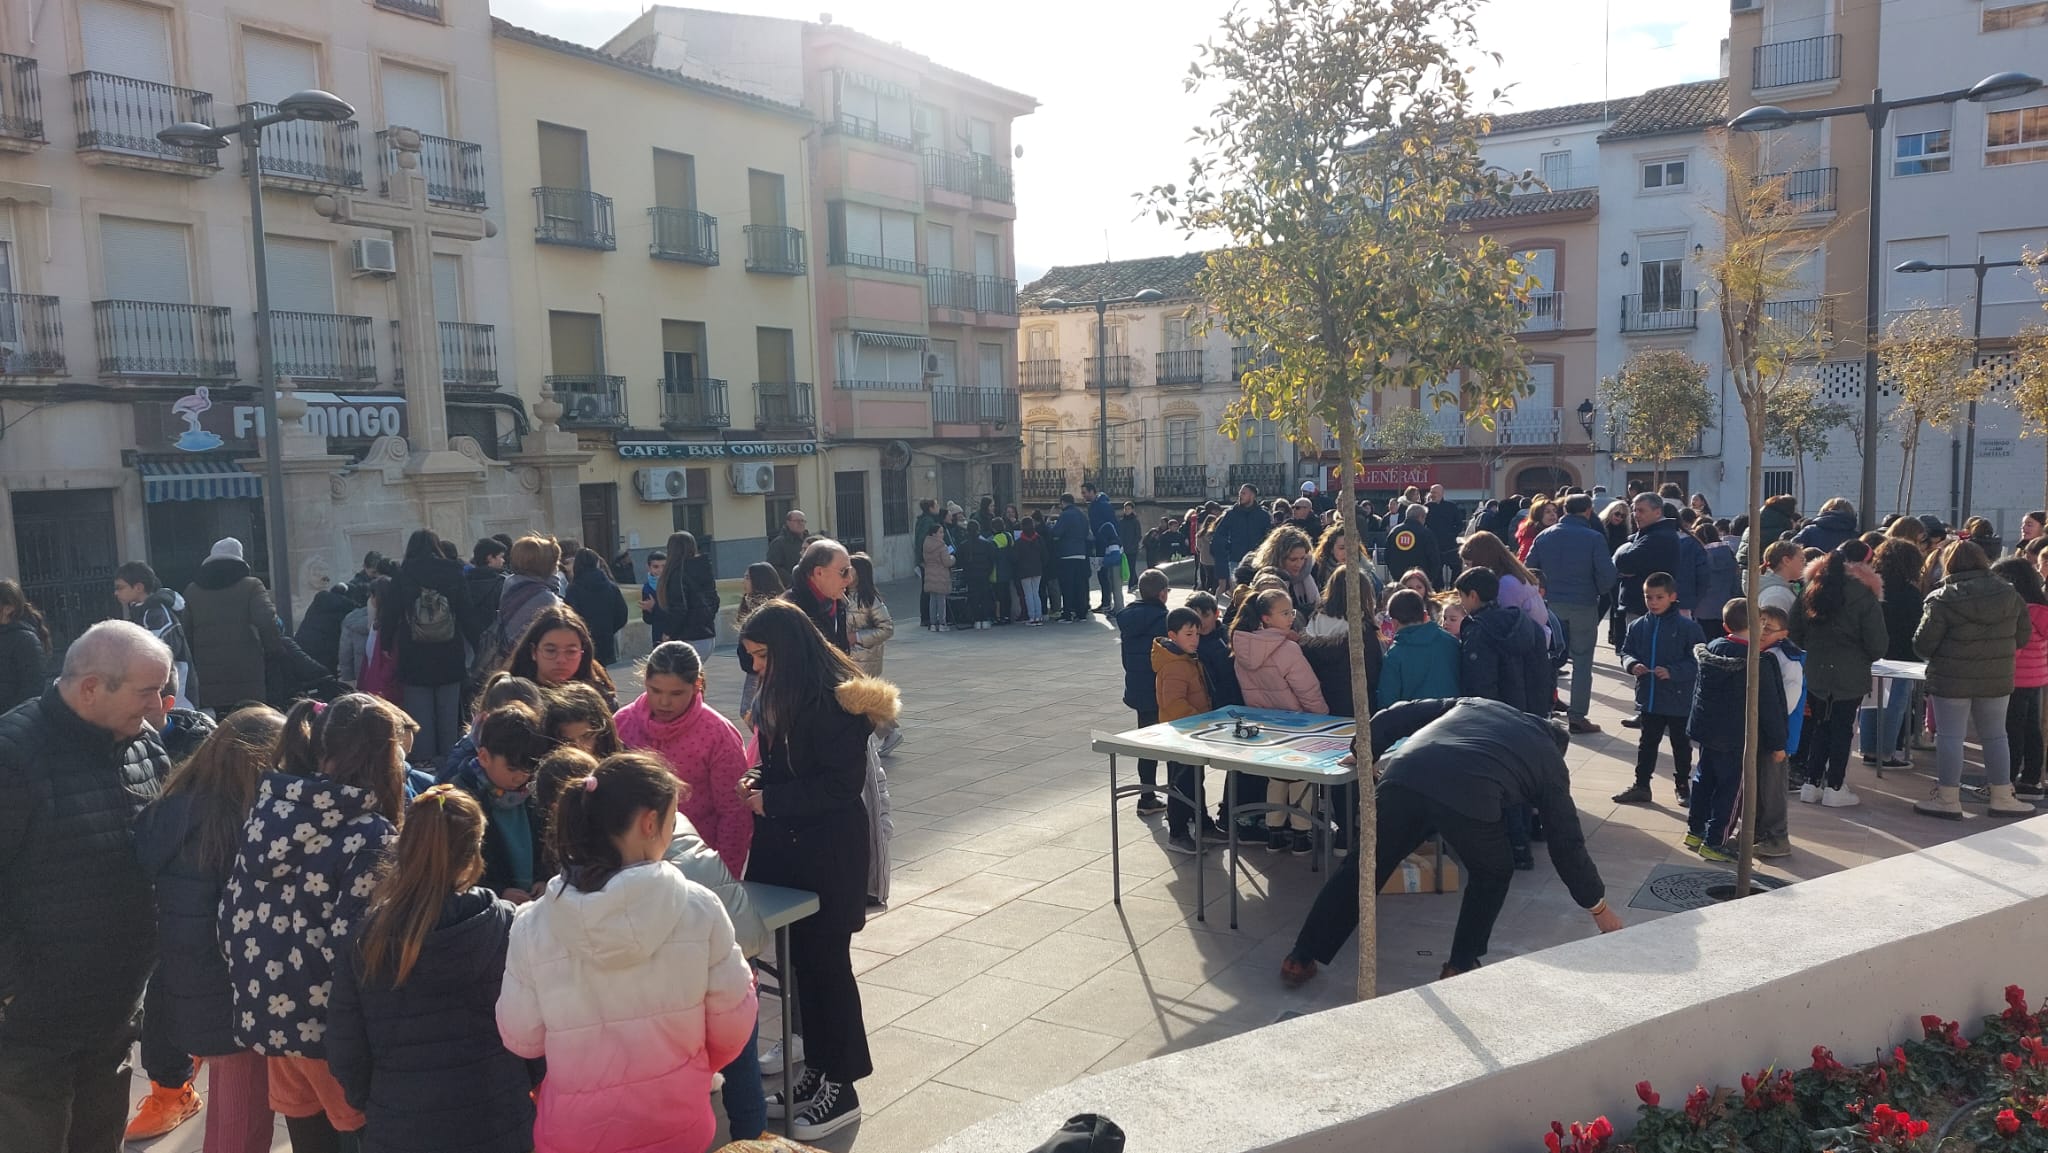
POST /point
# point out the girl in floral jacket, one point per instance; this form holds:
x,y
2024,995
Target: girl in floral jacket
x,y
702,748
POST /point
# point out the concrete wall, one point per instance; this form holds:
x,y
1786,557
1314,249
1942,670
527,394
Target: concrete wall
x,y
1486,1061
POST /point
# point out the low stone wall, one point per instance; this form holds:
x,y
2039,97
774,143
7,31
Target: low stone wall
x,y
1484,1062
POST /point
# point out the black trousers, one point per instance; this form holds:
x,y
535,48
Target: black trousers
x,y
2023,732
828,1001
1657,726
1186,780
1148,769
1829,734
1074,587
1406,819
71,1098
162,1061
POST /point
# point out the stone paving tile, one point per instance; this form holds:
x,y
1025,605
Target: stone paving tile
x,y
1018,924
1028,1059
1062,960
936,966
905,927
978,1009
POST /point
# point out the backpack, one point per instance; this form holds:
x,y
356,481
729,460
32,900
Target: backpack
x,y
432,619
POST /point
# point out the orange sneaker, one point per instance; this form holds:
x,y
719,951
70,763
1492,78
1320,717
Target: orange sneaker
x,y
163,1110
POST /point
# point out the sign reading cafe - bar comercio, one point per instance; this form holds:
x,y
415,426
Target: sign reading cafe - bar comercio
x,y
701,450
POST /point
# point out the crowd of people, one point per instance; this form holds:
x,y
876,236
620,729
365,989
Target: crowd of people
x,y
418,900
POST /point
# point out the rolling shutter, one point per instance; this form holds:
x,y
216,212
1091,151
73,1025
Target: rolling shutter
x,y
274,68
415,99
145,260
447,287
132,40
301,275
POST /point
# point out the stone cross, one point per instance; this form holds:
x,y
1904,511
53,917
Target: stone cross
x,y
412,220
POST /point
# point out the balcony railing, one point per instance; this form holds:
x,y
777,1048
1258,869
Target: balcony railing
x,y
1041,375
1180,368
431,9
1044,484
1806,320
576,217
841,256
683,234
469,355
994,294
775,249
1267,478
1791,62
1544,312
690,404
1180,482
142,338
956,405
969,174
454,169
119,115
589,400
1119,481
1808,190
1111,372
322,346
21,98
785,405
1244,358
1450,424
850,125
1668,313
1527,427
966,292
306,153
31,335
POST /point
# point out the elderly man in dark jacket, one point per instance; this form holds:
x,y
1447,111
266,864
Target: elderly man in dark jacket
x,y
822,576
1653,548
1445,519
77,922
1462,765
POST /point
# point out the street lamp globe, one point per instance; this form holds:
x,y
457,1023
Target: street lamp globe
x,y
316,106
1148,295
1054,303
2003,86
1762,118
192,134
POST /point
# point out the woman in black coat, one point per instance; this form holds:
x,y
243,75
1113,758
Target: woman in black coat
x,y
429,621
24,648
686,598
596,598
816,714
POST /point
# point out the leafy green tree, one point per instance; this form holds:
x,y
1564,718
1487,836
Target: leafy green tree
x,y
1797,421
1341,148
1658,406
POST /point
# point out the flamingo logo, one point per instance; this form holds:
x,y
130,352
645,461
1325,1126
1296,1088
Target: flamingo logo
x,y
188,408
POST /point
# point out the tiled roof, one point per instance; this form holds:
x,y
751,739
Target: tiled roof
x,y
511,31
1172,275
1541,203
1678,108
1591,112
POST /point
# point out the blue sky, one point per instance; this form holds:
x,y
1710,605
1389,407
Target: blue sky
x,y
1112,118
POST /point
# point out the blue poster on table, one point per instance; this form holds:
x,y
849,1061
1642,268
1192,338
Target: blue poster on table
x,y
1252,737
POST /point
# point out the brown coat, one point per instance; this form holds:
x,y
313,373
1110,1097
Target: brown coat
x,y
231,626
938,565
1183,690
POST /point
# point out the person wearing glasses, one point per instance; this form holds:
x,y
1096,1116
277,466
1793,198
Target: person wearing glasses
x,y
510,742
556,649
818,585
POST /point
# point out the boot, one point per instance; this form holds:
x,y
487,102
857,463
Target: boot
x,y
2005,804
1946,802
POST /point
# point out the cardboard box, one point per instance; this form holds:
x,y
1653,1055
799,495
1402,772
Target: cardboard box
x,y
1422,872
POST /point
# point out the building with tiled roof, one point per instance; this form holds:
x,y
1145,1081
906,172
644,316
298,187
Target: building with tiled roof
x,y
1561,116
1172,275
1690,107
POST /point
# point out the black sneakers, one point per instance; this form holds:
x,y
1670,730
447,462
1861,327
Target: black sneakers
x,y
1633,795
834,1108
806,1088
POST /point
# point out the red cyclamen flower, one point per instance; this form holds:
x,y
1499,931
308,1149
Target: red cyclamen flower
x,y
1646,1094
2008,1123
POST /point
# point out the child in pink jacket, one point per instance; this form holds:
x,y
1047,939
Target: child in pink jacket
x,y
1275,675
702,748
2029,676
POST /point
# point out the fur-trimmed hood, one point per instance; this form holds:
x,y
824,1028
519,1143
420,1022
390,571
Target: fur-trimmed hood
x,y
872,697
1858,569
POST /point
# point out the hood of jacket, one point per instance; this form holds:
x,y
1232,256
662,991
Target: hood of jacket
x,y
21,626
1722,655
1165,656
1979,597
1257,648
876,699
621,925
1497,621
220,573
1425,636
171,602
1837,521
299,814
460,951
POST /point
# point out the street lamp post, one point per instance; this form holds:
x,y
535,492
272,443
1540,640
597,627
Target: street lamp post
x,y
1585,412
1980,268
1766,117
1101,306
320,108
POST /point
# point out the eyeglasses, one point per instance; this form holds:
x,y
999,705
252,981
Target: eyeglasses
x,y
553,652
845,572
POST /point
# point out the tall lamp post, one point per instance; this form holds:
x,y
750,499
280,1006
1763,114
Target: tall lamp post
x,y
1585,413
1101,306
316,107
1980,268
1766,117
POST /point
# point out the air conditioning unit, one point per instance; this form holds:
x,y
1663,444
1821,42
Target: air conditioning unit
x,y
373,256
753,477
931,363
662,484
587,406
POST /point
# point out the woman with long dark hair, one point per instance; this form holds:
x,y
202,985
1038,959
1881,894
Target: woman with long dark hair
x,y
557,648
596,598
429,621
686,598
758,585
1970,627
1897,562
1839,621
24,647
815,716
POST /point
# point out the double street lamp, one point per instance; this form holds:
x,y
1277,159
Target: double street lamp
x,y
313,106
1981,267
1101,306
1767,117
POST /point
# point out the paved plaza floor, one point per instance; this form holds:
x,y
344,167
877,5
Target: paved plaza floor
x,y
1001,968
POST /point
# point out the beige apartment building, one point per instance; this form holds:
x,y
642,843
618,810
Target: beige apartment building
x,y
129,420
659,231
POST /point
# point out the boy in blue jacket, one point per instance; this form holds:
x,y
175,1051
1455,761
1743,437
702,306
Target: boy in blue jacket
x,y
1658,652
1139,624
1717,716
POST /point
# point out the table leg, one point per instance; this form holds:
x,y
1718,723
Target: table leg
x,y
785,982
1201,892
1116,869
1230,791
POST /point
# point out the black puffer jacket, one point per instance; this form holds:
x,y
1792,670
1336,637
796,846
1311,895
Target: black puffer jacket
x,y
22,671
191,973
320,629
1330,657
423,1061
423,662
77,925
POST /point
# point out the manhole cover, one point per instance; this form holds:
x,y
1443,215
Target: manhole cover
x,y
1676,888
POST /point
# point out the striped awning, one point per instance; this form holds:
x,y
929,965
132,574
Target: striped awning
x,y
889,339
164,480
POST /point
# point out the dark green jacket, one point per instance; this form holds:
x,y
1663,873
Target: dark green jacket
x,y
1969,630
1839,650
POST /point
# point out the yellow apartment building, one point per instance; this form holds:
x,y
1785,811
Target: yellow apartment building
x,y
661,292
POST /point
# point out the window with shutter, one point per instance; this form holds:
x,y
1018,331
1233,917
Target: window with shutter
x,y
988,254
990,374
447,288
126,39
948,353
274,67
301,274
938,247
145,260
415,98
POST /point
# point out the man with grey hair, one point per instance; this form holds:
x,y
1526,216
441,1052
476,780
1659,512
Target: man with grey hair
x,y
77,920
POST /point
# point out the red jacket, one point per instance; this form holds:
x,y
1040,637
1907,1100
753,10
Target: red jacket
x,y
2030,663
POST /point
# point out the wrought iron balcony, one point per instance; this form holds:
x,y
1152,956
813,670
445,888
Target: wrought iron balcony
x,y
683,234
1119,481
1244,358
1671,312
952,404
21,102
1040,375
775,249
589,400
1267,478
1544,312
306,154
454,169
995,294
31,336
1109,372
845,258
322,346
142,338
968,174
848,124
1528,427
1790,62
120,117
1180,482
689,404
469,356
1181,368
1043,484
1812,320
785,406
945,288
1805,191
576,217
430,9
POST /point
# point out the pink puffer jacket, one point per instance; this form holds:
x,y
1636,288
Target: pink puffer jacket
x,y
705,752
1274,674
2030,663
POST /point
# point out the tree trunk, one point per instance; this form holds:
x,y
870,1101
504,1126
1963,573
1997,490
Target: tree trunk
x,y
1364,850
1753,672
1799,469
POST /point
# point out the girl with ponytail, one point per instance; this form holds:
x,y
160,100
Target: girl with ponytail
x,y
623,974
410,1034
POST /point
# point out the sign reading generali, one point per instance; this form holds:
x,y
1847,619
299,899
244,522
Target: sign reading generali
x,y
197,422
1395,477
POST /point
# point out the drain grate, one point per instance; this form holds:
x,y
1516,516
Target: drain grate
x,y
1676,888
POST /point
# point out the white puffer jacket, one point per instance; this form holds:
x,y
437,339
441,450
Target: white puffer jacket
x,y
636,994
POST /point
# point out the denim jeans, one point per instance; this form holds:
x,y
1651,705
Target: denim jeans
x,y
1952,718
1581,628
1884,728
935,608
1032,609
435,708
1715,792
746,1104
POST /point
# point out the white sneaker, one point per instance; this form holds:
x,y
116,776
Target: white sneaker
x,y
1840,798
771,1057
1811,794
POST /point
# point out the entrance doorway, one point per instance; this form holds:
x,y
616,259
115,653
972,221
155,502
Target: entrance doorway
x,y
182,532
850,509
65,549
953,484
600,519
